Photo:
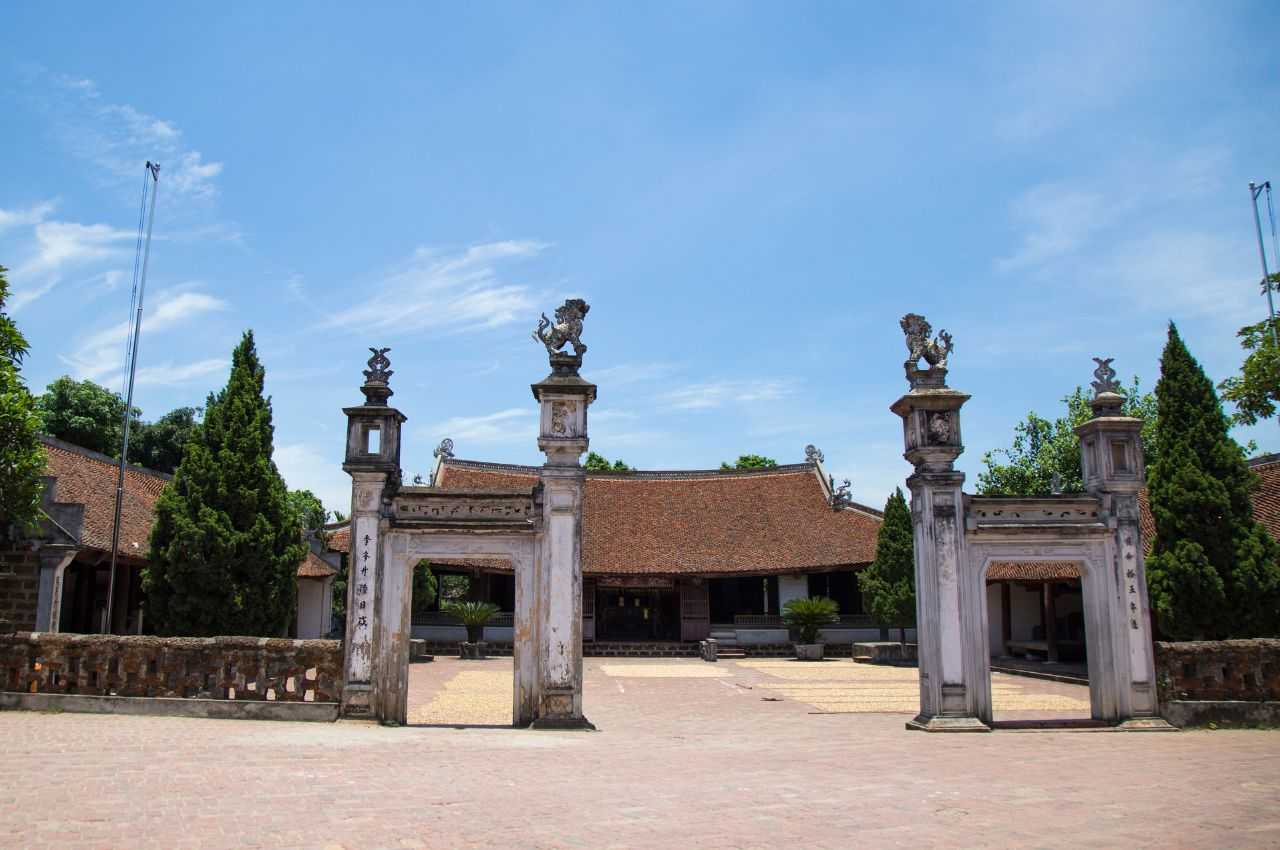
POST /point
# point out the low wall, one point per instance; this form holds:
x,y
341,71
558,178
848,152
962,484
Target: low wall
x,y
1226,682
219,668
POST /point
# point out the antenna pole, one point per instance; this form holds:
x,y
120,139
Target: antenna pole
x,y
153,170
1254,191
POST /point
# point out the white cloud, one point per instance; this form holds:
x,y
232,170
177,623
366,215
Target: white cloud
x,y
446,291
517,424
1057,219
632,373
719,393
101,353
25,217
303,467
60,246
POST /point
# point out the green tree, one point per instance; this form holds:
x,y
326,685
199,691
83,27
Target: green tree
x,y
226,545
309,510
1213,571
86,414
890,582
600,463
751,462
424,587
1043,448
22,459
160,445
1256,390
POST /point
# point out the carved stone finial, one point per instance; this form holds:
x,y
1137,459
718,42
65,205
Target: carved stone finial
x,y
376,389
565,330
842,496
1104,377
933,351
813,454
444,450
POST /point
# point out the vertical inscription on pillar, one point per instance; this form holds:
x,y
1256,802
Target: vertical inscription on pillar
x,y
364,567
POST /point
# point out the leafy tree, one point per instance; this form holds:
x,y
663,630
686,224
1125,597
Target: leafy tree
x,y
22,459
424,587
600,463
1256,390
890,581
159,445
309,510
86,414
225,546
1042,448
751,462
1213,571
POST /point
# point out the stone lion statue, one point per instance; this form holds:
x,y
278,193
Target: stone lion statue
x,y
934,351
567,327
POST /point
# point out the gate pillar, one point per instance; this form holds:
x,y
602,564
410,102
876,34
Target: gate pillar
x,y
373,462
930,414
563,398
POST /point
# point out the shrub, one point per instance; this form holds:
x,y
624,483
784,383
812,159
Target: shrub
x,y
471,613
809,615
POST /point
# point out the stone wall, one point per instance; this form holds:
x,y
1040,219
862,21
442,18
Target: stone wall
x,y
1246,670
223,668
19,586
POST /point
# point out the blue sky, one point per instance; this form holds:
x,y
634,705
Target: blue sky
x,y
749,195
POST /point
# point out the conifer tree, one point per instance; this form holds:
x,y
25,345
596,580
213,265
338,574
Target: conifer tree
x,y
890,581
1213,570
226,544
22,457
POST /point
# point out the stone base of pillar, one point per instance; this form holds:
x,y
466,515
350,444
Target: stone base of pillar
x,y
356,701
1145,724
568,723
920,723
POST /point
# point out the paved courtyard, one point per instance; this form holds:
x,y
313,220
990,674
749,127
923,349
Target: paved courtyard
x,y
742,754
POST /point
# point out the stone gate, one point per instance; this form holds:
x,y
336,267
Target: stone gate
x,y
958,537
538,530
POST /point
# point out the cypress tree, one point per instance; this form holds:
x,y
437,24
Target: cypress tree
x,y
226,544
890,581
1213,571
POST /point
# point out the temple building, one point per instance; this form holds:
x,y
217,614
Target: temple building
x,y
681,556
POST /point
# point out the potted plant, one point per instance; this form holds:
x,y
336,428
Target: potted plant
x,y
808,616
473,615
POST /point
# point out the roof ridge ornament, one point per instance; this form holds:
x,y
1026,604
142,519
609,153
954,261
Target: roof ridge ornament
x,y
934,352
444,450
813,454
842,496
1104,377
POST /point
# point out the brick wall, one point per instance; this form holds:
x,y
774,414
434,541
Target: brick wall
x,y
19,586
239,668
1247,670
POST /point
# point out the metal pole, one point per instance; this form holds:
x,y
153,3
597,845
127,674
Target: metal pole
x,y
108,626
1254,191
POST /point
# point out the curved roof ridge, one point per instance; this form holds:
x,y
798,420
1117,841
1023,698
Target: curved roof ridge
x,y
642,474
54,442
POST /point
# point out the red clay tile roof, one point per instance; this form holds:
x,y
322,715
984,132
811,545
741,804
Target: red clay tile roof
x,y
89,478
313,566
1266,499
701,522
339,537
1033,571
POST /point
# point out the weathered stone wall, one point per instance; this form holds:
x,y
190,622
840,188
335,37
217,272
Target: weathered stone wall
x,y
231,668
19,586
1241,670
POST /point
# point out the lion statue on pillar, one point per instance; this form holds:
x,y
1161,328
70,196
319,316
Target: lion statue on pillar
x,y
933,351
567,327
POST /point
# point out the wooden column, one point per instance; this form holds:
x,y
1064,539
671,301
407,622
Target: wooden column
x,y
1049,617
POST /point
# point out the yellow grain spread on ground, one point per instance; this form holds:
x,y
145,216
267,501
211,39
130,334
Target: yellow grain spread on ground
x,y
663,671
470,698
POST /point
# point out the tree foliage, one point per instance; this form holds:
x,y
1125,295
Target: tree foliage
x,y
1213,571
86,414
600,463
160,445
751,462
890,582
308,509
225,547
424,587
1043,448
22,459
1256,390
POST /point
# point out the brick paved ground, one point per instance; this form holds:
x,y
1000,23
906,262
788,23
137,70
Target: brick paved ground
x,y
688,755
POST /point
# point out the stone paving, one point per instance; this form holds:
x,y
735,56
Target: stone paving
x,y
746,754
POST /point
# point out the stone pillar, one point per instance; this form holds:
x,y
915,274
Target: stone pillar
x,y
53,567
373,462
1114,470
563,397
930,414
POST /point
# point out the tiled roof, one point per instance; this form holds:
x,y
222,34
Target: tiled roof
x,y
89,478
1266,499
338,536
313,566
701,522
1033,571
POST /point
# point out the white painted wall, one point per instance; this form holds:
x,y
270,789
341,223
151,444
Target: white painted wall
x,y
792,587
995,620
1024,607
315,600
494,634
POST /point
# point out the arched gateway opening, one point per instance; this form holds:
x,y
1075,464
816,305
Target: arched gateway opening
x,y
958,538
537,529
